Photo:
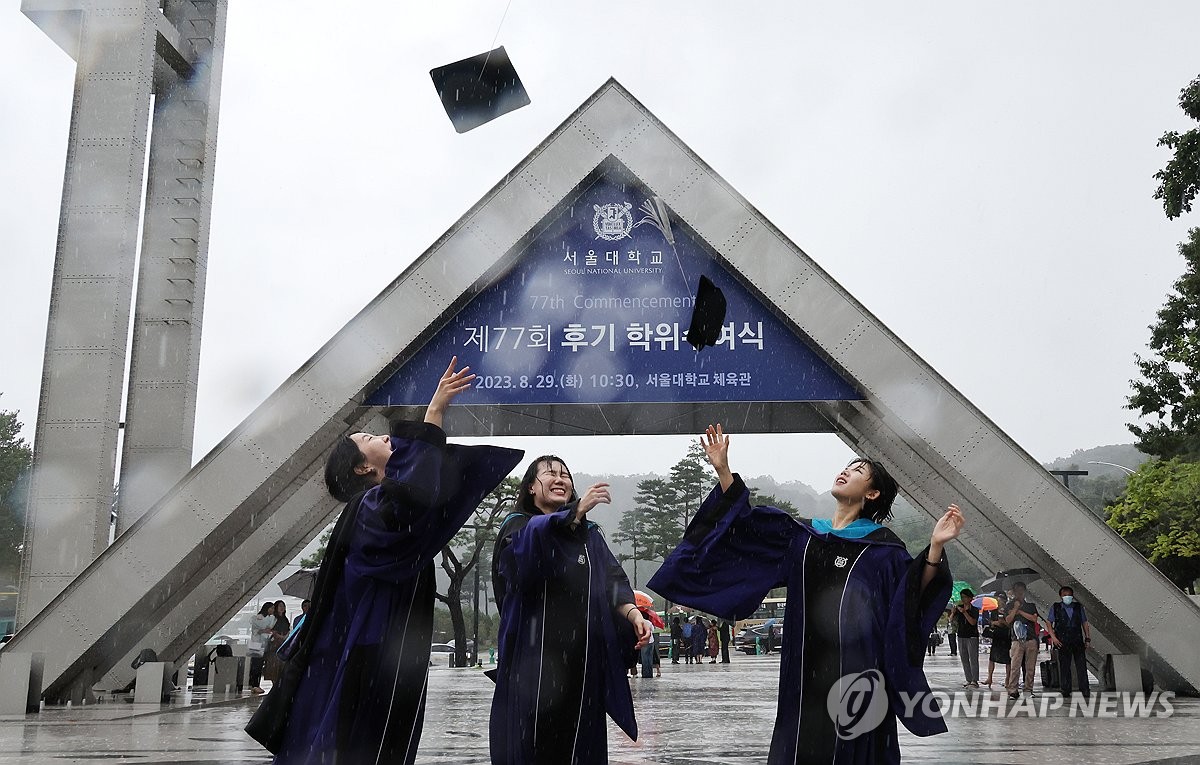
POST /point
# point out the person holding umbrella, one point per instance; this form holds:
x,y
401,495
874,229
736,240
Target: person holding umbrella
x,y
965,617
861,606
353,685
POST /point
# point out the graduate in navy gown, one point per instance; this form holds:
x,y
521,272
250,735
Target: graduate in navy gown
x,y
567,617
858,609
361,696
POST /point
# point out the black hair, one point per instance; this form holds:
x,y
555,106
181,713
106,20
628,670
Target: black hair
x,y
266,609
341,480
966,591
525,497
1018,584
879,509
1066,587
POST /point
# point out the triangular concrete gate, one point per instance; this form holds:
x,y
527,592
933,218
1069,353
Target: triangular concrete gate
x,y
253,502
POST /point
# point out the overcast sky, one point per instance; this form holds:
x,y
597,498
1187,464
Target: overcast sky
x,y
978,175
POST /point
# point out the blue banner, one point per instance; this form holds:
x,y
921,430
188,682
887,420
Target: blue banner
x,y
596,311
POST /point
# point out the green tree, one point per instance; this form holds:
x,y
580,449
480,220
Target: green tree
x,y
691,479
1160,516
15,457
1179,181
314,560
653,527
771,500
1169,388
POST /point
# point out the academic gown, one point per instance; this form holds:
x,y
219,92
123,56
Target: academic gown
x,y
362,696
560,667
854,609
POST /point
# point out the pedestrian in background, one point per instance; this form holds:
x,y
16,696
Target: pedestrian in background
x,y
1001,636
260,637
699,640
676,640
713,642
950,634
1074,638
965,625
1023,617
272,666
723,630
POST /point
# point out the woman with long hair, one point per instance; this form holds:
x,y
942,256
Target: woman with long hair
x,y
261,627
567,618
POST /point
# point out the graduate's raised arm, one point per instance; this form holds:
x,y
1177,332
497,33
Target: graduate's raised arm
x,y
450,385
716,448
948,527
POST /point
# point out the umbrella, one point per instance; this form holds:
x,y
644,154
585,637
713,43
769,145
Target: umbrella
x,y
1004,580
986,603
957,588
645,604
299,584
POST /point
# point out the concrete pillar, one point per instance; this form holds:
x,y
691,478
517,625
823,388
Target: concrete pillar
x,y
75,440
165,351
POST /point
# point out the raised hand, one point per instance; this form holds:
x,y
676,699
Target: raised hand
x,y
450,385
948,527
716,447
597,494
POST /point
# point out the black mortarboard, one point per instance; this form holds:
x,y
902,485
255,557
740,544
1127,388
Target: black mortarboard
x,y
479,89
708,315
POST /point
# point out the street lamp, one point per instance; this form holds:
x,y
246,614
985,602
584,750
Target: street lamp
x,y
1130,471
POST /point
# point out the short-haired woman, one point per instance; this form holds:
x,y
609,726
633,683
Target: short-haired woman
x,y
858,609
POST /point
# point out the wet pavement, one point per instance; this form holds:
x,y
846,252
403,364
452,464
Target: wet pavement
x,y
697,715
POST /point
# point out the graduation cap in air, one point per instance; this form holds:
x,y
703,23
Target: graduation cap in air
x,y
479,89
708,313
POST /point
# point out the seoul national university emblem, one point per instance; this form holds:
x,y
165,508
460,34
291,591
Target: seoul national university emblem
x,y
612,221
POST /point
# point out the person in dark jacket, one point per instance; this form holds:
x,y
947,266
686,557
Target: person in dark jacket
x,y
676,640
1074,636
699,639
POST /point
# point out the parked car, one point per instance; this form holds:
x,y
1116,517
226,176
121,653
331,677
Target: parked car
x,y
744,641
440,654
